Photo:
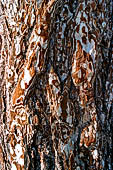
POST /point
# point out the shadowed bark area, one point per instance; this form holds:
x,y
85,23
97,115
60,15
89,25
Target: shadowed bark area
x,y
56,85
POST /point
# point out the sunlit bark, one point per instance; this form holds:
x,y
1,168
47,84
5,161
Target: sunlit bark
x,y
56,84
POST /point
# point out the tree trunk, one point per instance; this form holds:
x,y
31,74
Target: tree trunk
x,y
56,85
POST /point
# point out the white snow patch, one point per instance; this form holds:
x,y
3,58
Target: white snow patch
x,y
21,161
84,65
64,76
14,123
39,30
59,111
30,53
86,134
78,17
8,84
26,18
89,78
17,46
95,125
32,17
89,46
69,120
44,46
19,132
63,29
50,79
27,76
22,84
85,16
11,150
13,167
34,39
56,90
18,152
95,154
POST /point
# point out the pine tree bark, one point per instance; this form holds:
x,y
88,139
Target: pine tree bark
x,y
56,85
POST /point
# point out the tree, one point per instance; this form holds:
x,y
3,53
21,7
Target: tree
x,y
56,85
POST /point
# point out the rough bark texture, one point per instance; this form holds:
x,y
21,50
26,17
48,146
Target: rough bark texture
x,y
56,85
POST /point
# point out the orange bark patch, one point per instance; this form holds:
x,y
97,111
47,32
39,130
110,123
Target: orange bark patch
x,y
93,5
18,92
35,120
80,7
87,137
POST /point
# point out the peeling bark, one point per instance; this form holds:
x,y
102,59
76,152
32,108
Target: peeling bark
x,y
56,84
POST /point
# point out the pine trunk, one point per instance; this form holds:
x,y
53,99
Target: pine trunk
x,y
56,85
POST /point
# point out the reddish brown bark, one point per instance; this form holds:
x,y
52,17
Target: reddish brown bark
x,y
56,85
